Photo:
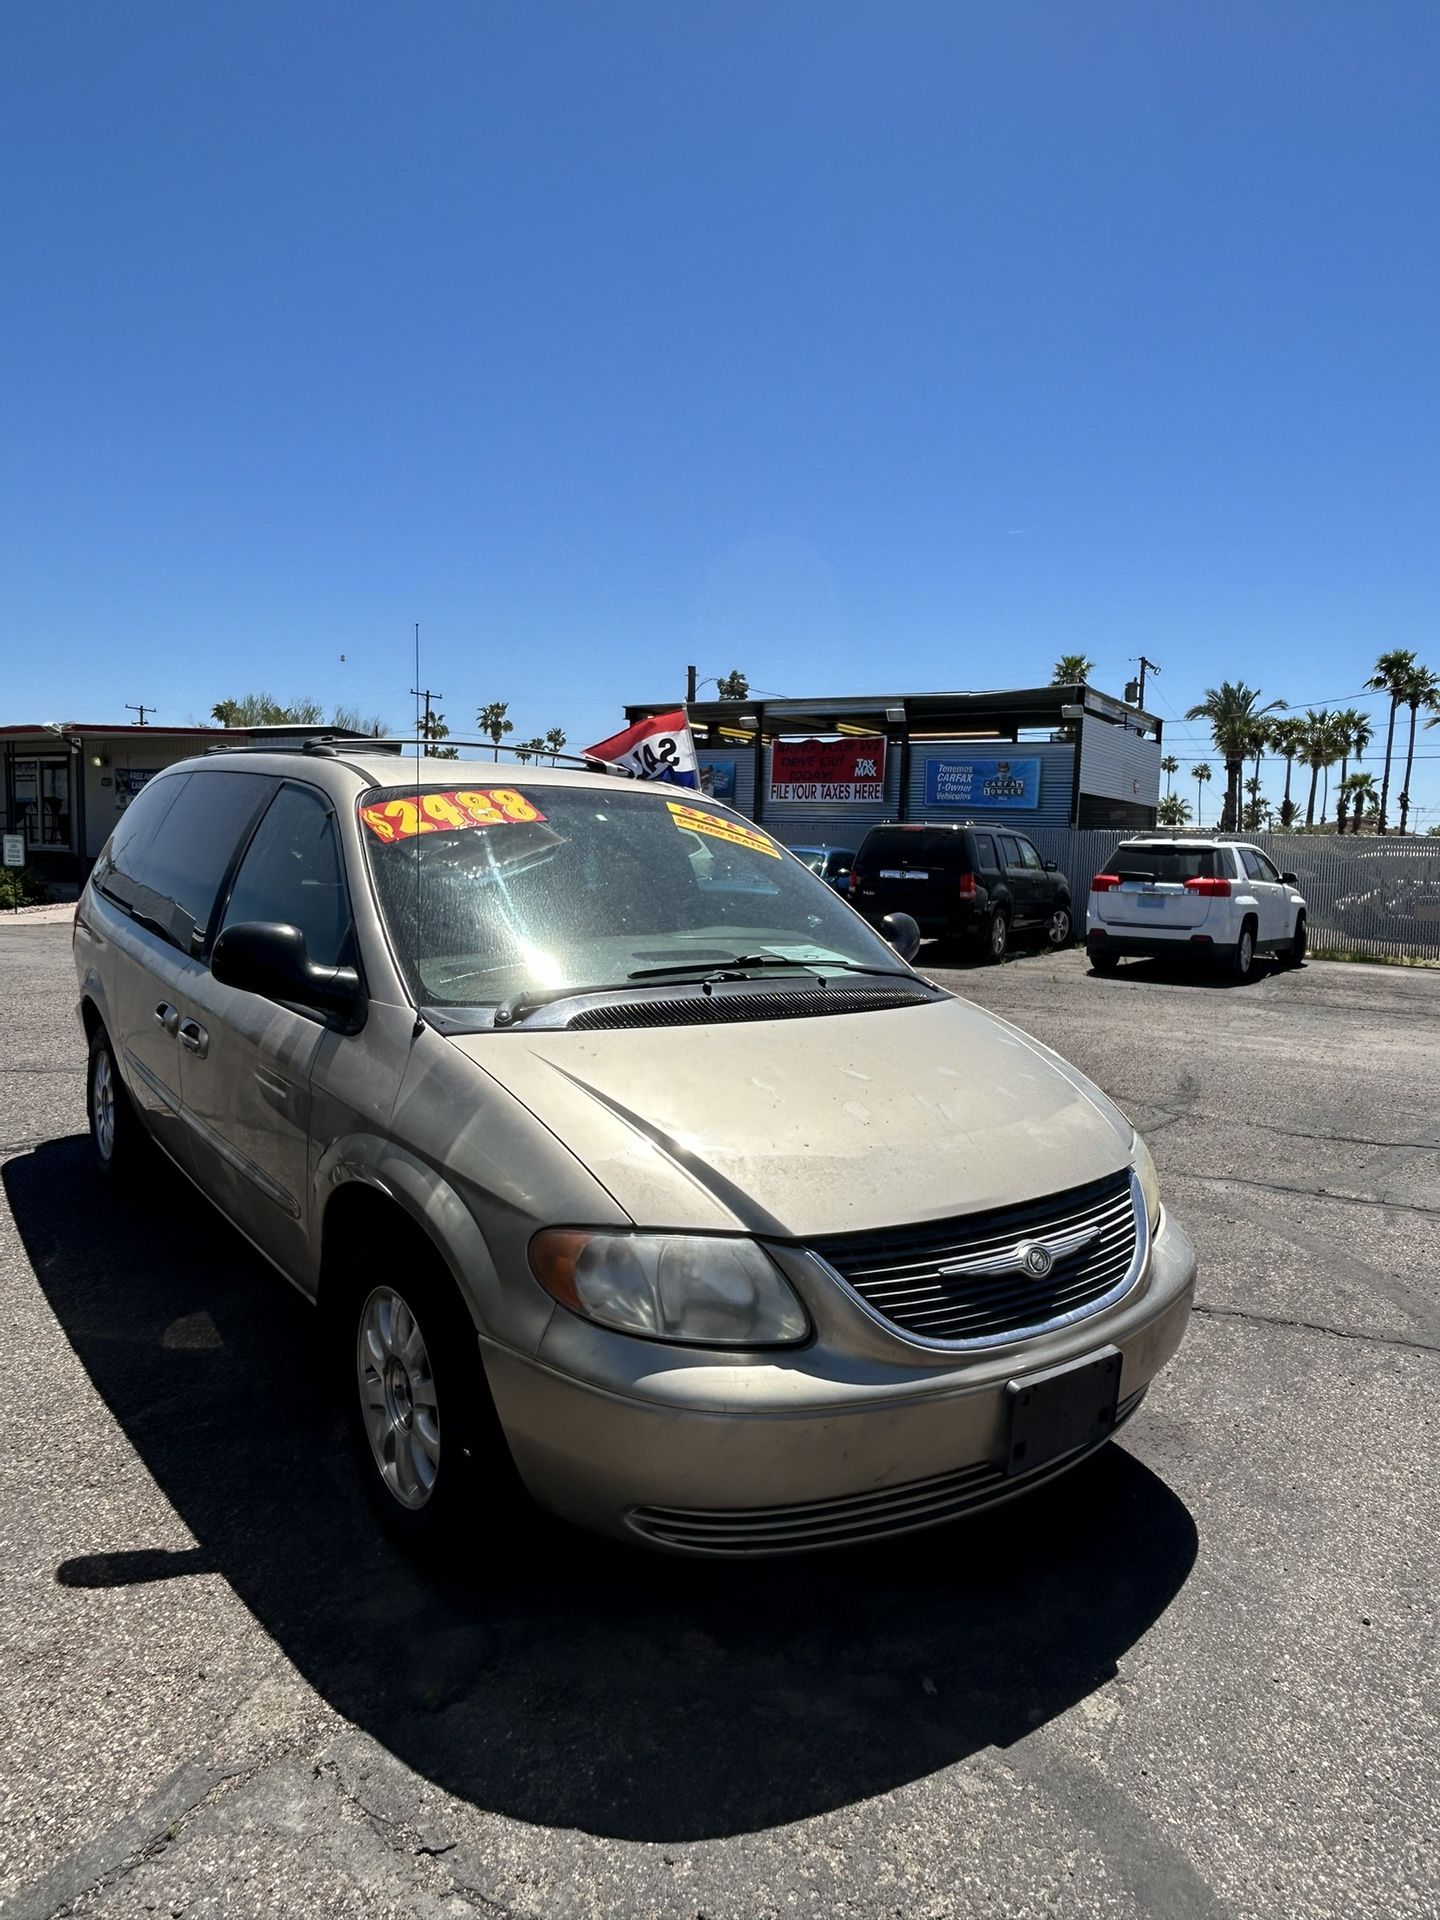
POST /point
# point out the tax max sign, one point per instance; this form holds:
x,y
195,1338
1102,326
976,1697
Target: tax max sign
x,y
977,784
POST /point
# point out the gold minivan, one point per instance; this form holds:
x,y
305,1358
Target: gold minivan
x,y
625,1163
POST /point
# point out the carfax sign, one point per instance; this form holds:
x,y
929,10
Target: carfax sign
x,y
982,783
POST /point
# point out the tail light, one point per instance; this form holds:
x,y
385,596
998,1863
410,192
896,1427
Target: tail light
x,y
1209,889
1105,883
852,885
966,888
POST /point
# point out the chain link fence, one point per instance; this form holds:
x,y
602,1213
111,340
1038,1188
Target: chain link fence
x,y
1369,895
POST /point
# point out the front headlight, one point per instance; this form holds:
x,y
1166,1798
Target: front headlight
x,y
671,1286
1149,1180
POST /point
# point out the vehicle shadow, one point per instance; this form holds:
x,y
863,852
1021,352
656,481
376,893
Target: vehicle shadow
x,y
1181,973
565,1680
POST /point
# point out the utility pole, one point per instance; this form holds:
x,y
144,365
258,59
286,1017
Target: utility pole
x,y
142,711
690,686
1144,666
425,694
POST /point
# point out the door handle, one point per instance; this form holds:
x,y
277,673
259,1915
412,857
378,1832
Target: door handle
x,y
168,1017
194,1038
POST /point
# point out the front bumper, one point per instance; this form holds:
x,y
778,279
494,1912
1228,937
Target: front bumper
x,y
775,1452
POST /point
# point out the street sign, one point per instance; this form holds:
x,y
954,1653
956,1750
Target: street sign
x,y
14,844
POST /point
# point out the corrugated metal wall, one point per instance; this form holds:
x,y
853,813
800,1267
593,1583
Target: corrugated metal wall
x,y
1379,897
1057,776
1119,764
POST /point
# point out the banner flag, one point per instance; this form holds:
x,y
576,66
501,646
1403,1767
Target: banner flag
x,y
660,748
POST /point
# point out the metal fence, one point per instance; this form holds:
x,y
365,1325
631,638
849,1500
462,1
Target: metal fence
x,y
1379,897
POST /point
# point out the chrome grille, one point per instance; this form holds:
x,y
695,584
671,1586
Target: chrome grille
x,y
963,1282
852,1517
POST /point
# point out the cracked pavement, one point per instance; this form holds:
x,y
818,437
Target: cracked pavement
x,y
1195,1678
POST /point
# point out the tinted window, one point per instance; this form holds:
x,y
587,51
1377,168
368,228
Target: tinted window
x,y
985,852
940,847
1250,860
169,878
837,864
291,873
117,869
1030,857
1010,851
1268,868
1177,863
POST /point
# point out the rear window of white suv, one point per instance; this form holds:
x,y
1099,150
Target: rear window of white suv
x,y
1173,864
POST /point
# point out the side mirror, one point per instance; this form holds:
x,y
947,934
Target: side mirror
x,y
1289,880
902,933
266,958
840,875
1052,866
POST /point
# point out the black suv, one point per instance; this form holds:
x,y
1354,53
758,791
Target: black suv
x,y
978,885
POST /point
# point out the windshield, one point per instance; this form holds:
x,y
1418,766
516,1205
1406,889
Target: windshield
x,y
493,892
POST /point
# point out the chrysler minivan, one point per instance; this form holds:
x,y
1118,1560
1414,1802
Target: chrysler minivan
x,y
626,1164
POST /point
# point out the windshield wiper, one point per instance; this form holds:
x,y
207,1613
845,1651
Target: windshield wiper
x,y
725,969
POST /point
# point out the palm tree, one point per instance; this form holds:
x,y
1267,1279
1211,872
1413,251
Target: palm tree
x,y
1173,811
1421,689
528,750
554,742
1357,732
1360,789
1170,766
1233,710
1288,737
1201,771
1322,747
1071,669
1391,675
1257,812
492,720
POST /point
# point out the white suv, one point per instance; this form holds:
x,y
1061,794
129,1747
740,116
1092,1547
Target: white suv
x,y
1216,900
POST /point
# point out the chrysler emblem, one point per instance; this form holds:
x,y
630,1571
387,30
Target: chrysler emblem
x,y
1037,1260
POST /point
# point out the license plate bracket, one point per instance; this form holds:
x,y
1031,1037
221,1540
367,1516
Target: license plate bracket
x,y
1061,1410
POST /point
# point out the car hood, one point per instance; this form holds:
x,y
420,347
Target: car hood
x,y
804,1127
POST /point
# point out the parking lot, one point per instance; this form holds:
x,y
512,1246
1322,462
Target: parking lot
x,y
1194,1678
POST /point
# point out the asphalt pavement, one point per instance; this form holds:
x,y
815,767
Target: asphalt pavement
x,y
1196,1677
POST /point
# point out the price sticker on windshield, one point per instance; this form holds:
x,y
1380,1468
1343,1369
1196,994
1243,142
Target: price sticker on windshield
x,y
411,814
733,832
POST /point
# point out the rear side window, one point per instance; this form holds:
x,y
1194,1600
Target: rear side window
x,y
118,864
291,873
169,878
985,858
1170,863
939,847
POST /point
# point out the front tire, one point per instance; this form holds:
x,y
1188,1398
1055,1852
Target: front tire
x,y
423,1424
1299,945
115,1132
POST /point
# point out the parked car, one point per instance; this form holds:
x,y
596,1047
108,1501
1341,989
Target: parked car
x,y
692,1210
1218,902
977,885
833,864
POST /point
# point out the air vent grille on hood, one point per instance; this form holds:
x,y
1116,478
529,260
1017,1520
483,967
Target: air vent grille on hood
x,y
711,1009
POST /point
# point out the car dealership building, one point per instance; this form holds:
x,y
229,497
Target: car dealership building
x,y
824,770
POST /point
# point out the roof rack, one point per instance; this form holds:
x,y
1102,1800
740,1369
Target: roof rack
x,y
329,746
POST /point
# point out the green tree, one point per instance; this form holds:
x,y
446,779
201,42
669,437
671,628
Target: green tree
x,y
433,730
1201,771
1169,766
1173,811
1071,669
733,685
1422,689
264,710
555,743
1323,745
1288,739
1360,792
1392,675
1233,711
492,720
1354,729
527,750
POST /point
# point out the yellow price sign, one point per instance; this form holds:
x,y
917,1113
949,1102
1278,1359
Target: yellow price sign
x,y
733,832
411,814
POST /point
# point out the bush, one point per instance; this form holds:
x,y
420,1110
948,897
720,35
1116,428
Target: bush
x,y
20,888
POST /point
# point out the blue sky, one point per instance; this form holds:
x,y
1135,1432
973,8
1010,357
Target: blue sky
x,y
862,347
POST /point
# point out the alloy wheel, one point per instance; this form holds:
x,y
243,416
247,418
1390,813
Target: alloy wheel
x,y
398,1399
1058,931
102,1104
